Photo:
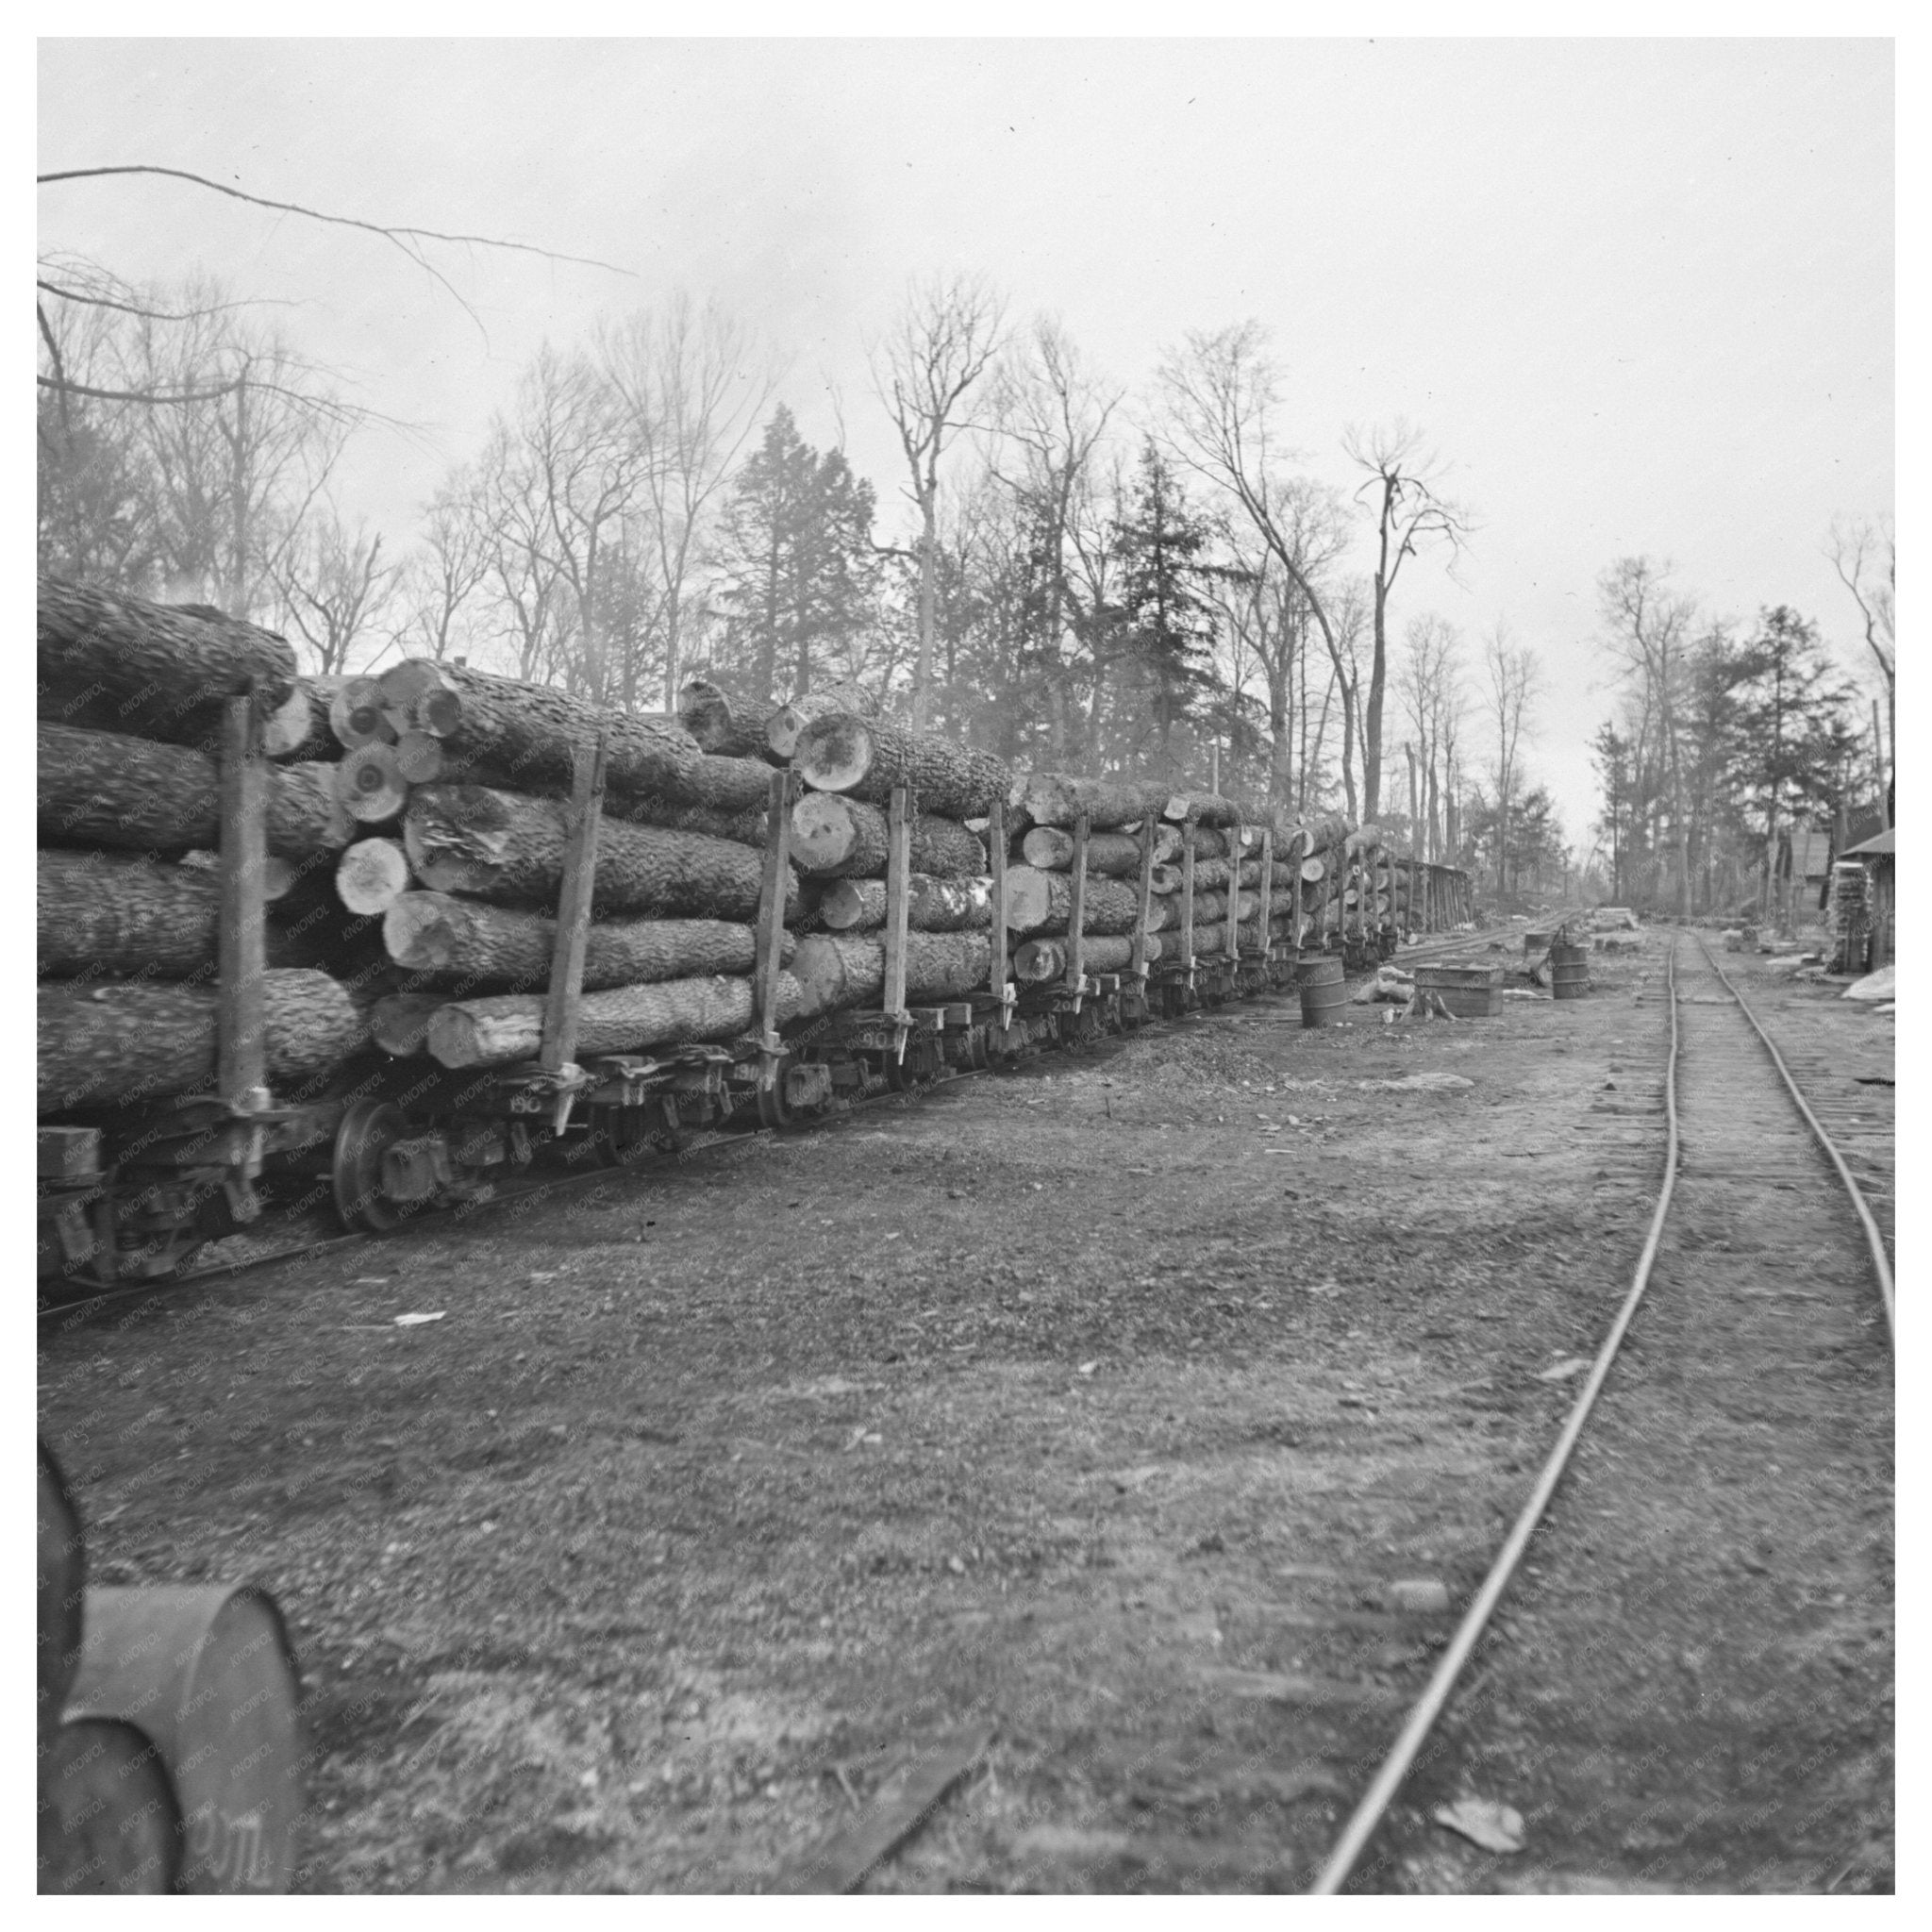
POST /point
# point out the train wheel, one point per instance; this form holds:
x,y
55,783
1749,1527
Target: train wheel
x,y
622,1136
772,1112
368,1130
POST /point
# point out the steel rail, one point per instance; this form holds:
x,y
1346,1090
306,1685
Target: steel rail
x,y
1875,1240
1367,1814
1395,1767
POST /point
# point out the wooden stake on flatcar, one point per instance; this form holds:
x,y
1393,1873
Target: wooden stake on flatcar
x,y
1149,838
1267,892
1231,952
1076,910
785,789
558,1050
242,1044
1001,985
1188,826
898,869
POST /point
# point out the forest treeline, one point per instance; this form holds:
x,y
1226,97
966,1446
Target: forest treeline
x,y
1057,571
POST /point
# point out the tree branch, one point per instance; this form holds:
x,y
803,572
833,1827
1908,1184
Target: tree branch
x,y
396,234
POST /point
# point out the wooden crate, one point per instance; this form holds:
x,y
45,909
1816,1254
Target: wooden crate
x,y
1469,992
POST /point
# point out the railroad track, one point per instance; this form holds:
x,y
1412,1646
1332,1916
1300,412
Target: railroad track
x,y
1800,1302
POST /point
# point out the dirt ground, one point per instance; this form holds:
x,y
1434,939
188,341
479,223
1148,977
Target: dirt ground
x,y
1106,1403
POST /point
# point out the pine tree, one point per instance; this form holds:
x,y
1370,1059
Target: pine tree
x,y
797,561
1166,623
1791,729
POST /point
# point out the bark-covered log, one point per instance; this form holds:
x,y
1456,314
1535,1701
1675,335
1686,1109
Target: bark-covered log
x,y
373,874
527,736
783,726
1211,874
114,914
1171,947
1058,798
1042,901
399,1021
467,940
705,712
1204,807
1038,962
510,1026
728,784
840,752
835,973
931,905
1164,915
123,664
1110,854
510,849
117,1044
836,836
749,827
99,788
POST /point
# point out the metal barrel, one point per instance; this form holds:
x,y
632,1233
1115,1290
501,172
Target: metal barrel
x,y
1569,972
207,1673
1323,996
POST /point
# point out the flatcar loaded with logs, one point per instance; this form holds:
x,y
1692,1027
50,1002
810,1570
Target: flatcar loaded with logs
x,y
376,944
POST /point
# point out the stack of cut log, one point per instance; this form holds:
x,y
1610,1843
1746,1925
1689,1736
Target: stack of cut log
x,y
418,826
131,698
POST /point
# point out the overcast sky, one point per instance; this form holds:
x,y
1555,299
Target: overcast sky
x,y
1639,292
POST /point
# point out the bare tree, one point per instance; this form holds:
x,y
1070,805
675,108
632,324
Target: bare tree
x,y
1271,615
1051,412
690,386
199,499
442,575
1513,681
945,341
1400,492
1220,392
1647,630
334,587
585,468
527,601
1865,556
1429,683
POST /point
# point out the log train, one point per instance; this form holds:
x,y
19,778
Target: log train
x,y
255,1002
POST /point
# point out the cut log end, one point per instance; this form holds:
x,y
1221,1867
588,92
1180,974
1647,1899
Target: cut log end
x,y
371,785
835,753
419,756
373,874
355,714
